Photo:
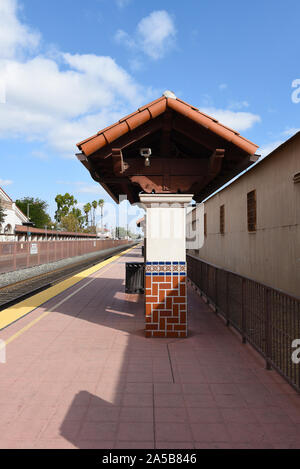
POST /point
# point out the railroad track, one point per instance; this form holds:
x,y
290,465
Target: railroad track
x,y
13,293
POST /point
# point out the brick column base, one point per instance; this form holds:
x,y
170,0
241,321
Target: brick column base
x,y
166,302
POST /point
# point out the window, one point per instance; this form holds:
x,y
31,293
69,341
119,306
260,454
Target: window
x,y
251,211
205,225
222,219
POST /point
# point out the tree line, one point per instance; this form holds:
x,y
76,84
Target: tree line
x,y
71,218
68,217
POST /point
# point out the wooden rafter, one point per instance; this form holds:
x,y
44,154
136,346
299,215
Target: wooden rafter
x,y
129,139
215,162
117,161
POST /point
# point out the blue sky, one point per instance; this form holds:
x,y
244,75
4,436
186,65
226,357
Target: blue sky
x,y
68,68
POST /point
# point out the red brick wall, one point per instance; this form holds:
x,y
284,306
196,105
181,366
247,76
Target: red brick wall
x,y
165,296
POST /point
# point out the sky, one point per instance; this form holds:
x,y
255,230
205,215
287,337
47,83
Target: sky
x,y
68,68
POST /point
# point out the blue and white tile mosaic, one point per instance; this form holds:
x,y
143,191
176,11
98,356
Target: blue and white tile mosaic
x,y
166,268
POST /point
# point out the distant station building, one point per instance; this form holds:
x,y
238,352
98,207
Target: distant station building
x,y
13,217
29,233
165,155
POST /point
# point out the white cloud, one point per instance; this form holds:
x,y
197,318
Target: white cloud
x,y
239,121
124,38
122,3
223,86
5,182
237,105
135,65
39,154
291,132
84,187
156,33
63,98
14,36
154,36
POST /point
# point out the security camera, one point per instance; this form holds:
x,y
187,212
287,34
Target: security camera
x,y
145,152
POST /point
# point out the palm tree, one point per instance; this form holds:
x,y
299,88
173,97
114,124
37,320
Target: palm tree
x,y
95,205
87,208
101,205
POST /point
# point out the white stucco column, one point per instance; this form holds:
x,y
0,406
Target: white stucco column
x,y
165,282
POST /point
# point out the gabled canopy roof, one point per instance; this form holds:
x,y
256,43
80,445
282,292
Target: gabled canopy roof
x,y
189,150
151,111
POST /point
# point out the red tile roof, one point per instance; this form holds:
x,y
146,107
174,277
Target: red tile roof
x,y
153,110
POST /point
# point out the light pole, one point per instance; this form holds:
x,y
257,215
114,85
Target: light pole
x,y
28,210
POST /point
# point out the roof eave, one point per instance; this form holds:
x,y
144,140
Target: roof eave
x,y
154,109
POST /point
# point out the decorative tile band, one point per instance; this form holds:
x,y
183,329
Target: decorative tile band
x,y
165,268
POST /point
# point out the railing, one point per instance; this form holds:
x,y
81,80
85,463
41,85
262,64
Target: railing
x,y
19,255
265,317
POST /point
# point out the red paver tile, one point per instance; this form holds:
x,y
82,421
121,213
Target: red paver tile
x,y
106,399
103,414
196,388
141,400
25,429
134,445
224,388
135,432
175,445
169,432
282,432
251,432
210,432
97,431
168,400
202,415
167,388
272,415
171,414
238,415
230,400
17,444
199,400
95,444
36,412
278,445
136,414
234,445
59,443
165,377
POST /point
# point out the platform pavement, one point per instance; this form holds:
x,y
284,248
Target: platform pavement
x,y
84,376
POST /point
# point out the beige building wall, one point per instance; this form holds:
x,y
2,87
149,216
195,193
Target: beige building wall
x,y
271,254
